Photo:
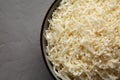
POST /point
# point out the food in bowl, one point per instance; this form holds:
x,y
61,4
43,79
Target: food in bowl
x,y
83,40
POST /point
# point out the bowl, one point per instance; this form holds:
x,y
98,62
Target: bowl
x,y
43,42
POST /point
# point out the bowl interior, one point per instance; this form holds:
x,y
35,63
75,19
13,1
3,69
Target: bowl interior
x,y
43,41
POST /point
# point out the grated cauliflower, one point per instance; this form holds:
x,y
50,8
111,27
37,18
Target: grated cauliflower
x,y
84,40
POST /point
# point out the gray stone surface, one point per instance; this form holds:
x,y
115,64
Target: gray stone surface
x,y
20,56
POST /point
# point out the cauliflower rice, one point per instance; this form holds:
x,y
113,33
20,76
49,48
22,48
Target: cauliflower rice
x,y
84,40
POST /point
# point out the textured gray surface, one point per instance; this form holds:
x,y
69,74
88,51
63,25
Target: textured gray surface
x,y
20,57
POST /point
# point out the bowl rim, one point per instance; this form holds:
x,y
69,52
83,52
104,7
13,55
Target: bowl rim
x,y
41,37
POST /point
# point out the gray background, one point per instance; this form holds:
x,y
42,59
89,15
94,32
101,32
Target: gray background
x,y
20,22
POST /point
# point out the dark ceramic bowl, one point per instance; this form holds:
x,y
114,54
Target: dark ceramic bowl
x,y
43,42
